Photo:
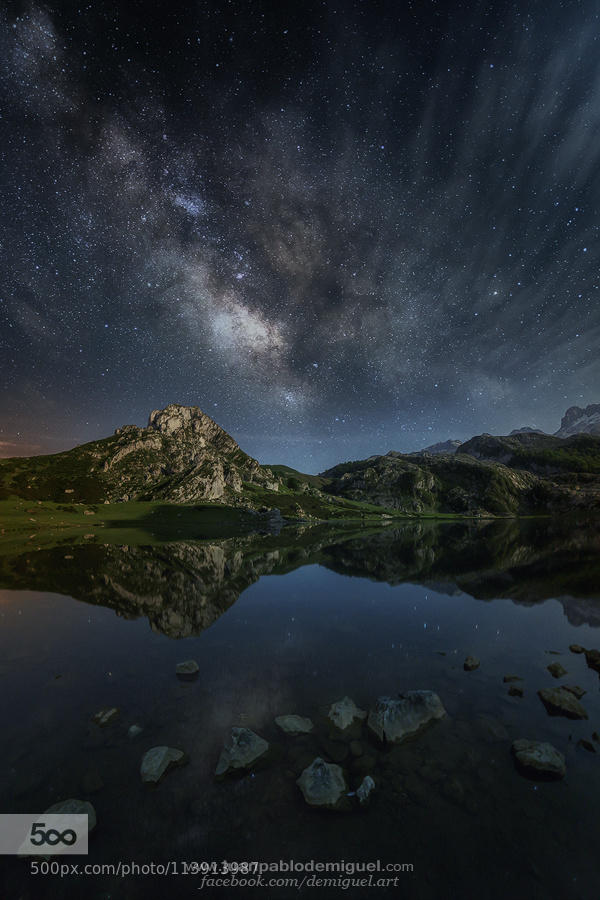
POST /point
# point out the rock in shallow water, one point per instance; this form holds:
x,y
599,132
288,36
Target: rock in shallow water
x,y
556,670
322,784
343,713
74,807
539,759
106,716
158,760
576,648
294,724
471,663
561,702
575,690
392,720
241,751
187,670
592,657
367,786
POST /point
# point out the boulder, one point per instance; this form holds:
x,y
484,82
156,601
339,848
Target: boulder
x,y
294,724
187,670
241,751
157,761
538,759
393,720
556,670
343,713
592,657
322,784
561,702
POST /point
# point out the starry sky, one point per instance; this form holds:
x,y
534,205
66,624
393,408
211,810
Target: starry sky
x,y
339,228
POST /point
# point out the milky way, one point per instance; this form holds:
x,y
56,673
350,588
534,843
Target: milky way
x,y
337,228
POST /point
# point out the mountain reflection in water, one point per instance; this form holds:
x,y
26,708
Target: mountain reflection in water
x,y
182,587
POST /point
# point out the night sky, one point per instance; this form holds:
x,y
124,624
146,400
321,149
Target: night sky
x,y
339,228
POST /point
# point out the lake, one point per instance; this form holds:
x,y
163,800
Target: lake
x,y
289,623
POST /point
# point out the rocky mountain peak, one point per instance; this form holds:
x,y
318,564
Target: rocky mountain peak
x,y
580,420
175,417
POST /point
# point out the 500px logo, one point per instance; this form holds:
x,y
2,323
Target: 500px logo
x,y
48,834
52,836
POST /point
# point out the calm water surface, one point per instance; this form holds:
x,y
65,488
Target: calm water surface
x,y
289,624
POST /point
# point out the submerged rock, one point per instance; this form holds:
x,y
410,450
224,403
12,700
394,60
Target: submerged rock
x,y
561,702
586,745
343,713
158,760
575,690
393,720
471,663
74,807
576,648
539,759
134,730
322,784
592,657
556,670
241,751
515,690
510,678
294,724
187,670
106,716
367,786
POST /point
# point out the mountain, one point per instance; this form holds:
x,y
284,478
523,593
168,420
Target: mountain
x,y
526,429
580,421
181,456
542,454
425,483
450,446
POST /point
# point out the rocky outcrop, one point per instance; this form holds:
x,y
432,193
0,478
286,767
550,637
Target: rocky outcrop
x,y
181,456
580,420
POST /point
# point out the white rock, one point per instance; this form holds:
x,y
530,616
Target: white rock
x,y
343,712
294,724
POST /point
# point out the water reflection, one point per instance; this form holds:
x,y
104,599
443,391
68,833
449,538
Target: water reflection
x,y
182,587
